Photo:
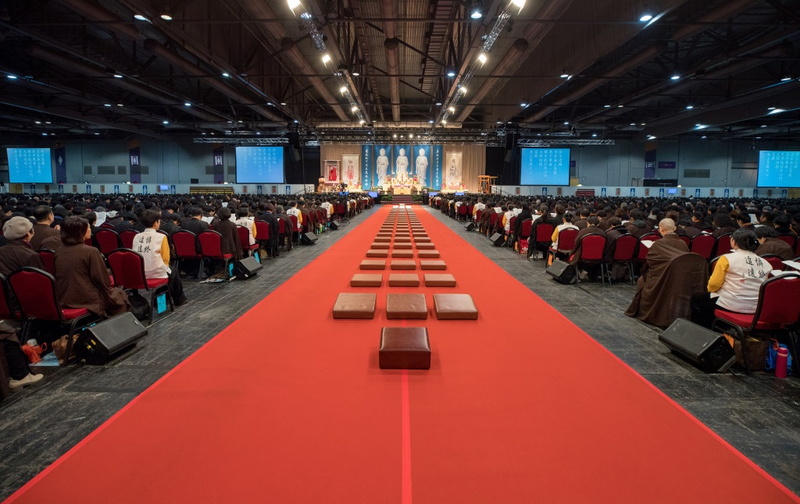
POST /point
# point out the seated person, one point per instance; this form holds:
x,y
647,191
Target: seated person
x,y
82,280
769,243
154,247
43,228
230,235
18,251
736,281
669,278
19,373
566,224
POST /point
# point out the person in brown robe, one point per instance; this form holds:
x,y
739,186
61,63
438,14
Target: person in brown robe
x,y
665,287
42,230
82,280
230,235
771,244
18,252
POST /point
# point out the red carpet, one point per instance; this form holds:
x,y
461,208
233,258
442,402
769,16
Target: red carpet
x,y
518,406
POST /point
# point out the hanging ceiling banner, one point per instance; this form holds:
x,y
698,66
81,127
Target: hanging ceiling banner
x,y
366,165
438,161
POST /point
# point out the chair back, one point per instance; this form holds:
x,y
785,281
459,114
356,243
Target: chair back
x,y
525,231
293,219
688,241
262,230
512,222
773,308
6,311
625,248
462,210
244,239
211,244
127,238
788,239
185,243
478,214
703,245
49,260
493,218
35,292
127,266
544,232
592,247
775,261
281,227
107,240
107,225
566,239
723,245
641,255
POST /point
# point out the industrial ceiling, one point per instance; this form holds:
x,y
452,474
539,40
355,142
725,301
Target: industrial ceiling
x,y
569,70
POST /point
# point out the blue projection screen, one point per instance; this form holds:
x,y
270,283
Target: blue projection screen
x,y
779,169
256,165
544,167
30,166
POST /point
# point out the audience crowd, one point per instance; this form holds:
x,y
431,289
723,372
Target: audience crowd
x,y
64,228
692,256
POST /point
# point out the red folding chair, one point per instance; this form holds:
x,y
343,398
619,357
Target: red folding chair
x,y
773,314
128,269
543,238
211,248
127,238
723,245
186,246
593,247
624,253
35,292
790,239
107,241
775,261
8,310
461,214
642,250
49,260
703,245
685,239
244,239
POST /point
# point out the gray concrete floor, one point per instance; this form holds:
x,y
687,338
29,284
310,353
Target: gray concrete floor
x,y
757,414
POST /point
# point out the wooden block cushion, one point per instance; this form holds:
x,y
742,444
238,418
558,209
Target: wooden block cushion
x,y
454,307
432,264
404,348
424,246
373,264
378,245
406,306
403,264
377,253
366,280
427,254
439,280
354,306
403,254
403,280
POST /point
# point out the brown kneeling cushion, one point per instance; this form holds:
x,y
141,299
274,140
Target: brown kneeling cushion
x,y
403,264
403,280
373,264
426,254
432,264
424,246
439,280
354,306
454,307
377,253
403,254
406,306
404,348
366,280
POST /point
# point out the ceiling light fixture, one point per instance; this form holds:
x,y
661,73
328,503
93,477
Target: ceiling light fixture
x,y
140,17
166,14
293,4
674,77
451,73
326,58
12,77
776,111
117,76
689,107
226,74
343,89
645,17
482,58
355,74
187,104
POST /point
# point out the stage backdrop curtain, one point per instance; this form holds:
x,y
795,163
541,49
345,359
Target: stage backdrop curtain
x,y
473,160
335,151
473,163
